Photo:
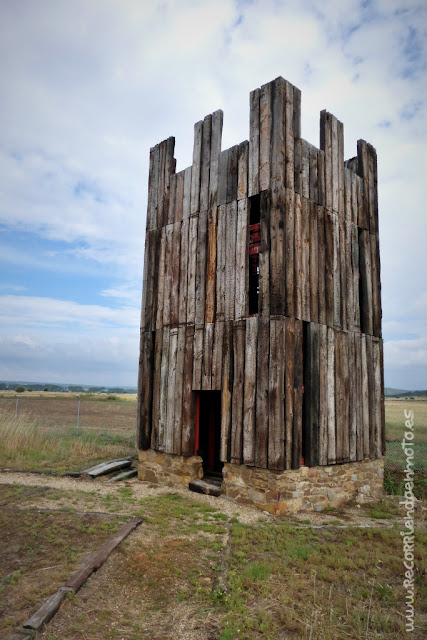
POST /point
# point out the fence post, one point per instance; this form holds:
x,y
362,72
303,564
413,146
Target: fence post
x,y
78,411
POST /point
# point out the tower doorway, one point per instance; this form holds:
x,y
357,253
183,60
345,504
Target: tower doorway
x,y
208,431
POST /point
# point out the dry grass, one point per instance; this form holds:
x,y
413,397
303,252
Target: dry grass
x,y
27,445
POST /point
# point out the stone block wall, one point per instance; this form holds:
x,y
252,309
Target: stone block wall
x,y
168,469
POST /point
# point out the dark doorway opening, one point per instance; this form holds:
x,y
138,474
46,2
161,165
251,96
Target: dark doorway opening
x,y
209,431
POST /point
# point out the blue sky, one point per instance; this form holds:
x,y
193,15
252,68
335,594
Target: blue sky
x,y
87,89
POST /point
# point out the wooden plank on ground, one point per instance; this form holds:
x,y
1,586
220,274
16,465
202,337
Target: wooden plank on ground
x,y
265,136
202,242
332,446
207,357
198,357
226,393
254,120
276,427
242,266
188,397
264,256
145,389
197,165
217,120
262,380
249,400
238,392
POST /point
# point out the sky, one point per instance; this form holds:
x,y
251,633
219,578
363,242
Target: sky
x,y
88,86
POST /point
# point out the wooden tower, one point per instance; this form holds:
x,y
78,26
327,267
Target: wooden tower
x,y
261,311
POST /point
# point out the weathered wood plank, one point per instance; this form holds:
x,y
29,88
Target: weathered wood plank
x,y
217,120
353,398
223,176
277,159
230,260
298,395
335,165
376,284
207,357
183,272
363,184
336,270
170,410
329,268
145,389
365,397
197,166
152,188
242,266
170,219
305,169
365,269
161,186
339,396
176,282
372,396
289,389
321,264
359,396
265,136
220,263
323,394
158,351
343,276
186,204
354,211
276,427
262,381
179,196
314,263
355,268
348,301
202,242
198,357
277,252
191,277
340,174
242,170
238,392
232,176
313,176
332,446
205,157
292,130
289,253
383,444
217,356
179,392
163,404
377,401
211,265
373,189
305,255
326,146
311,396
254,121
298,165
264,256
188,397
298,264
226,392
167,287
249,400
321,184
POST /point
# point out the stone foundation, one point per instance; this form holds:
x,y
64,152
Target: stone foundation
x,y
307,488
278,492
167,469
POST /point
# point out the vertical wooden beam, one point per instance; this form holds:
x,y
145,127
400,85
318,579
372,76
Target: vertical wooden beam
x,y
186,203
226,393
365,397
211,265
305,169
197,165
305,254
289,253
365,268
298,395
188,397
145,389
326,147
230,260
183,272
336,270
343,275
254,121
264,256
242,170
153,178
179,196
205,163
238,391
265,136
276,427
198,357
363,192
329,268
376,284
314,264
232,176
163,403
168,275
217,120
217,356
207,357
292,129
298,265
323,394
220,263
158,351
289,389
359,396
311,396
321,264
262,391
242,264
202,241
170,410
377,401
277,252
371,391
249,401
192,262
179,389
332,447
176,282
277,158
